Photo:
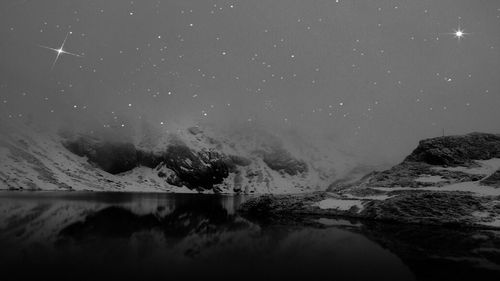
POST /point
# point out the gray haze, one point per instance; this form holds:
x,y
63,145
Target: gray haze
x,y
373,76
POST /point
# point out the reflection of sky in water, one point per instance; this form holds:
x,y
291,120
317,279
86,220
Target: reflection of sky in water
x,y
141,235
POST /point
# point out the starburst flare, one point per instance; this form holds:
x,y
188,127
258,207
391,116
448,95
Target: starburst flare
x,y
60,51
459,33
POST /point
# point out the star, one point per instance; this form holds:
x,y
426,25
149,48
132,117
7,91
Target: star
x,y
459,33
60,51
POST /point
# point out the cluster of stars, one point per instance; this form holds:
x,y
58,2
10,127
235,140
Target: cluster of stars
x,y
173,67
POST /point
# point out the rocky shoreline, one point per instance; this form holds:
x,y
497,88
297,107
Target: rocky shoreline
x,y
454,209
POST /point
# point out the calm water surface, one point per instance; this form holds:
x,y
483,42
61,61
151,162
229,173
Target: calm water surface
x,y
89,236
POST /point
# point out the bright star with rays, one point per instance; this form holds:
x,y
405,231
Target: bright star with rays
x,y
60,51
459,33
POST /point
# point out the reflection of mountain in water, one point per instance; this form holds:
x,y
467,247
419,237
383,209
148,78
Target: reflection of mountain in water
x,y
204,240
192,218
123,236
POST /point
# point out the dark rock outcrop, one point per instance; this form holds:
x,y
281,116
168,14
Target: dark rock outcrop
x,y
194,169
492,180
406,173
181,163
195,130
112,157
202,169
456,150
287,207
412,207
279,159
239,160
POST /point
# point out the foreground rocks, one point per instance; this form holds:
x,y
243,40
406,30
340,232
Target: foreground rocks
x,y
420,207
407,173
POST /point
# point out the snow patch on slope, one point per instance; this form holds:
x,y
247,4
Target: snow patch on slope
x,y
471,186
486,167
340,204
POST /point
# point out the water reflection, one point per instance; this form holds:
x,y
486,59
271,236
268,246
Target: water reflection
x,y
184,236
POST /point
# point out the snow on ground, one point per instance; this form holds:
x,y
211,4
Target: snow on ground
x,y
494,223
487,218
322,158
470,186
369,197
487,167
474,187
339,204
38,161
260,179
141,178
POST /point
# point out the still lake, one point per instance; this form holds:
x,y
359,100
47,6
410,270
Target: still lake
x,y
89,236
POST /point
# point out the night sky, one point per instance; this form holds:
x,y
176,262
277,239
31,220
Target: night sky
x,y
376,76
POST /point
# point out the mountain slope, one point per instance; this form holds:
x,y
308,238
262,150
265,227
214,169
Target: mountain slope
x,y
191,159
35,160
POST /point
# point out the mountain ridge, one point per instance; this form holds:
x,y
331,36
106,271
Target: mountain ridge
x,y
189,159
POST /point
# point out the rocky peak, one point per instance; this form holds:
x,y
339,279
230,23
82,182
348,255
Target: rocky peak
x,y
433,159
456,150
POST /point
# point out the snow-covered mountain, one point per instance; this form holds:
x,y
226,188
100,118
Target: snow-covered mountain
x,y
187,159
